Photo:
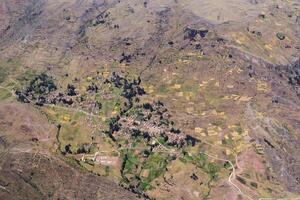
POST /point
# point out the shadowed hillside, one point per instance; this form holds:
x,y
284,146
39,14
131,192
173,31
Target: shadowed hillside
x,y
165,99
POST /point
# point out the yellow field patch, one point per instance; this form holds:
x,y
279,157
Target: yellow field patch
x,y
50,112
238,41
149,89
105,74
232,126
113,113
268,47
245,98
214,112
198,130
213,130
203,113
218,142
226,97
177,86
227,152
65,118
235,134
262,86
200,56
236,97
191,54
229,71
82,88
180,94
184,61
188,96
189,109
203,84
239,70
221,114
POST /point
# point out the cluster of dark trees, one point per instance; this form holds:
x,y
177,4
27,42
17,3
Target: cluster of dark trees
x,y
190,140
294,73
61,98
194,177
83,148
192,33
290,71
92,88
100,19
146,111
67,149
158,111
114,126
126,58
157,108
41,85
22,97
130,89
71,90
37,90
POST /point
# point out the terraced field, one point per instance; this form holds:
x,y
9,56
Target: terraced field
x,y
147,99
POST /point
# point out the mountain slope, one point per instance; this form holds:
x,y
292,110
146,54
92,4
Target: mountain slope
x,y
169,99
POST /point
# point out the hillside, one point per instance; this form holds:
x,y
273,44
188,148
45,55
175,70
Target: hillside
x,y
165,99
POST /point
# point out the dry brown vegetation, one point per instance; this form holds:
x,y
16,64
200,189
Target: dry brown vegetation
x,y
187,99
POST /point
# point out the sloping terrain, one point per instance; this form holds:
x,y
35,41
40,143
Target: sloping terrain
x,y
30,170
165,99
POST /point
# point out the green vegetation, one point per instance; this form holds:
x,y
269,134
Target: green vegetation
x,y
239,128
25,77
107,170
163,89
241,180
143,186
72,162
78,115
212,169
108,106
253,184
162,139
130,162
73,135
227,165
141,166
156,164
139,171
280,36
8,68
228,142
218,122
201,162
187,158
212,98
4,94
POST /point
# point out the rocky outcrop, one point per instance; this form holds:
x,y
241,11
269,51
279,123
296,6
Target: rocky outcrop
x,y
279,147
